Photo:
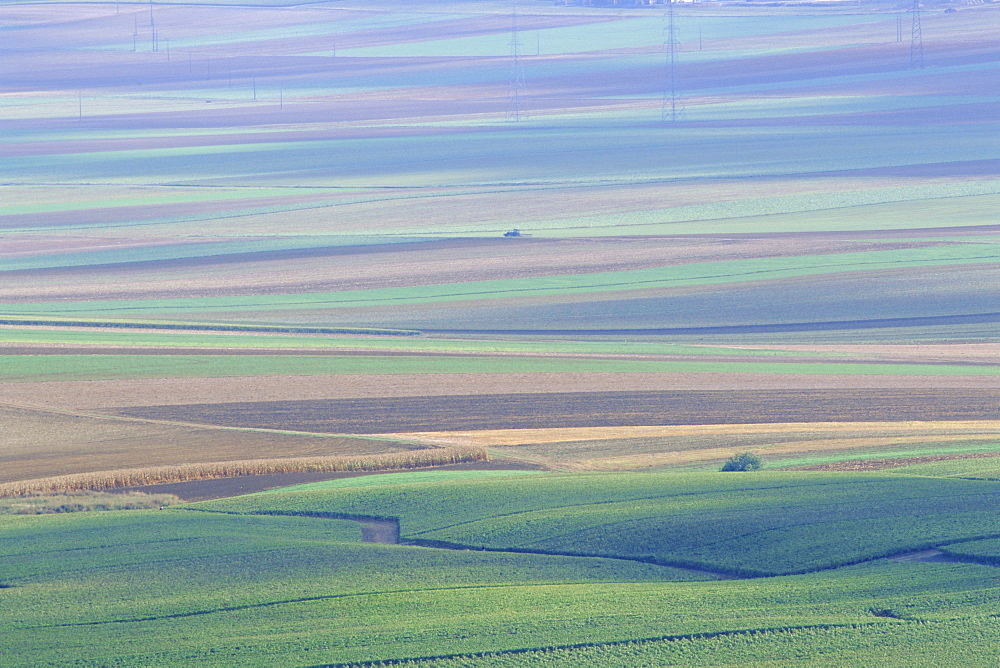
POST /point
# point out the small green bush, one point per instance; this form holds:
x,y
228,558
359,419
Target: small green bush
x,y
748,461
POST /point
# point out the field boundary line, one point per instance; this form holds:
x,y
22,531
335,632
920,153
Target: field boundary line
x,y
706,635
725,574
306,599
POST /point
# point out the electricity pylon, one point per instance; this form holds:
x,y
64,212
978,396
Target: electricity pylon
x,y
916,39
515,87
671,107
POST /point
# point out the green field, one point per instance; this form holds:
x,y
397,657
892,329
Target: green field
x,y
93,367
101,337
218,587
980,469
788,522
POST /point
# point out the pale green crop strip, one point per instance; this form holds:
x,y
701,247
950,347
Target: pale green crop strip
x,y
92,367
957,447
231,340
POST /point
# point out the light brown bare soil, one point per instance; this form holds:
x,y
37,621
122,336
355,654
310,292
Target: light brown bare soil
x,y
39,443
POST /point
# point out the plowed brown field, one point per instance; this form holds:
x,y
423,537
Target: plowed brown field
x,y
525,411
109,394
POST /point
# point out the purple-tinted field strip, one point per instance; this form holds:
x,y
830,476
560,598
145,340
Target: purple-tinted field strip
x,y
851,306
14,147
423,32
334,268
488,103
944,116
808,73
586,409
133,213
973,168
194,22
76,26
586,90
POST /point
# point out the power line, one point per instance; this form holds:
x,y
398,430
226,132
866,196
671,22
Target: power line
x,y
515,86
916,39
671,107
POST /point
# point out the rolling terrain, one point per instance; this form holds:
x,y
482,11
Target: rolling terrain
x,y
281,577
265,237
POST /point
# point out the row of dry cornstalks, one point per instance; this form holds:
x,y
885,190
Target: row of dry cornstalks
x,y
155,475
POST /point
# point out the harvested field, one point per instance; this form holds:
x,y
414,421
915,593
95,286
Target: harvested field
x,y
152,475
40,443
525,411
712,434
218,488
644,447
778,453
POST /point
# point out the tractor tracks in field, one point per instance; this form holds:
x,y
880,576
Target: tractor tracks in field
x,y
89,415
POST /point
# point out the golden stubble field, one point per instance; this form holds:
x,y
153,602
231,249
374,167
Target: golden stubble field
x,y
694,446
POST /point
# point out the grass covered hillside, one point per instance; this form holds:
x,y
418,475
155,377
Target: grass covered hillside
x,y
276,579
759,524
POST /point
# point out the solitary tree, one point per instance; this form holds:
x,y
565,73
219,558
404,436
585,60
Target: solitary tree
x,y
748,461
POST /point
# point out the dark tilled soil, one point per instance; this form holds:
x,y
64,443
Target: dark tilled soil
x,y
588,409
